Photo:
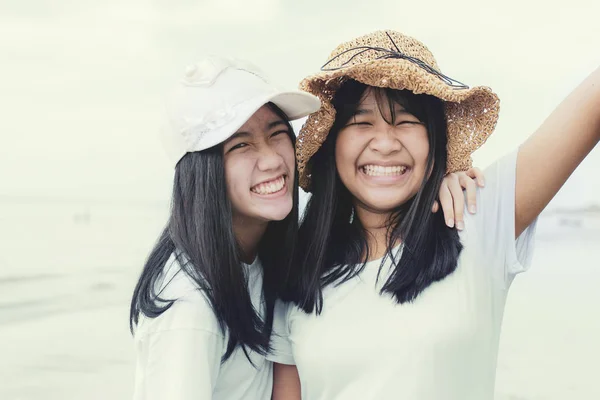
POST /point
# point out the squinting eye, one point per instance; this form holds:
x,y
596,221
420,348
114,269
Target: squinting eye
x,y
237,146
279,133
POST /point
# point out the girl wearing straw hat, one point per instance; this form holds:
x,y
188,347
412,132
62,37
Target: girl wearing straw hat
x,y
385,301
202,310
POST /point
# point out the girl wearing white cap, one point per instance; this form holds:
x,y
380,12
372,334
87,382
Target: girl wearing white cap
x,y
202,310
385,301
203,307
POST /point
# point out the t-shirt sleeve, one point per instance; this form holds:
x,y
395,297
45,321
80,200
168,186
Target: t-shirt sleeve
x,y
179,356
281,347
495,220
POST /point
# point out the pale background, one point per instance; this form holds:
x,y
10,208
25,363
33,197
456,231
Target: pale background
x,y
84,184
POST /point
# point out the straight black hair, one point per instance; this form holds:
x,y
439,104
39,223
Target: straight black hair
x,y
332,248
200,234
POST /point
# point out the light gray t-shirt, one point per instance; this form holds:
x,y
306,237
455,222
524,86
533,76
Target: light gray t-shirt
x,y
179,353
444,345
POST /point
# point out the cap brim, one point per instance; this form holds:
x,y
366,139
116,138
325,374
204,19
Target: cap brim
x,y
296,104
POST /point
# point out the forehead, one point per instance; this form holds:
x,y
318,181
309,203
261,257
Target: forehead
x,y
376,98
260,120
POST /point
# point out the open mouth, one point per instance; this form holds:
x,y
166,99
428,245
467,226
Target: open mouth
x,y
270,187
380,170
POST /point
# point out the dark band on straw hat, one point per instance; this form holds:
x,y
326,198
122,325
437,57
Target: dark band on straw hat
x,y
391,53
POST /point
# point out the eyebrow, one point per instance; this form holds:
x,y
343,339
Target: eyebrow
x,y
244,134
369,111
275,123
362,111
238,135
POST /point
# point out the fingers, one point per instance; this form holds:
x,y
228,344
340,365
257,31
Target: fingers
x,y
447,203
452,198
468,184
458,200
436,207
477,174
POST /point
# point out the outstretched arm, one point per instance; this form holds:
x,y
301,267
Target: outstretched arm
x,y
547,159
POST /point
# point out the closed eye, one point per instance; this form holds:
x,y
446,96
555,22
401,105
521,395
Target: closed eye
x,y
398,123
360,124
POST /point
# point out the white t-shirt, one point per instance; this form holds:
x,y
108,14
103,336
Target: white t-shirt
x,y
179,353
443,346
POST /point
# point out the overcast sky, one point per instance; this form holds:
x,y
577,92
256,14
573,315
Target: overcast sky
x,y
81,81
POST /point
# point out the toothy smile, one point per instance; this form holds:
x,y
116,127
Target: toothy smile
x,y
269,187
380,170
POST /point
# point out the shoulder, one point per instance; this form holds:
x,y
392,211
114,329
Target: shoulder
x,y
495,201
190,309
174,282
501,174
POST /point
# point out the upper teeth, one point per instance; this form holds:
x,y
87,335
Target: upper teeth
x,y
378,170
269,187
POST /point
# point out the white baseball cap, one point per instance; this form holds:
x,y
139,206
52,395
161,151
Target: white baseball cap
x,y
215,97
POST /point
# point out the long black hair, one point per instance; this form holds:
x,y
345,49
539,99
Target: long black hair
x,y
332,246
200,233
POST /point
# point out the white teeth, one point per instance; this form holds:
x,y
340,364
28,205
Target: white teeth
x,y
273,186
378,170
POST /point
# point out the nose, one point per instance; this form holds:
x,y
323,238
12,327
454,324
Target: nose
x,y
269,159
385,141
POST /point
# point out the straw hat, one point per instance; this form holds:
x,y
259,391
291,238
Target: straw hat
x,y
392,60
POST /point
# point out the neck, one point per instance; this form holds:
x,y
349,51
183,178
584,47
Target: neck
x,y
376,226
248,233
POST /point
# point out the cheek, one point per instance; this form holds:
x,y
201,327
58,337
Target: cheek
x,y
287,153
230,181
237,172
418,146
347,150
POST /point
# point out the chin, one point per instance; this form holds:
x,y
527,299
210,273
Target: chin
x,y
274,213
274,216
386,203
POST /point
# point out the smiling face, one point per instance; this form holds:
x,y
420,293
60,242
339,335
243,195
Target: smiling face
x,y
259,168
381,154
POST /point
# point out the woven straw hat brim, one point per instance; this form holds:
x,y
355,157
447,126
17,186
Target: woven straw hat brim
x,y
471,113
